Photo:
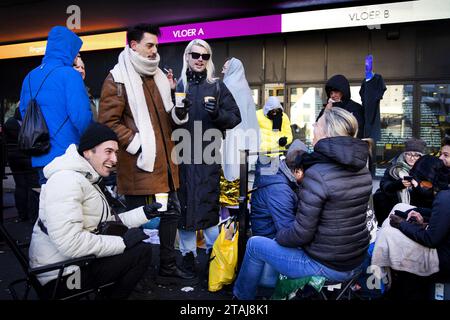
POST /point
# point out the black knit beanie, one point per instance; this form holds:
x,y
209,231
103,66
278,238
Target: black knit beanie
x,y
94,135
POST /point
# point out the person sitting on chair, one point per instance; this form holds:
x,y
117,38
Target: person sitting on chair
x,y
71,210
329,235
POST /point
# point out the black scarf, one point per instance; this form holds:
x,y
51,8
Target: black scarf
x,y
277,120
195,77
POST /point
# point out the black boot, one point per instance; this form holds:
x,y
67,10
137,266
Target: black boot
x,y
171,274
189,263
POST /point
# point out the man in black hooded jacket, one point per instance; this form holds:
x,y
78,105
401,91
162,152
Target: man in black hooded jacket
x,y
338,94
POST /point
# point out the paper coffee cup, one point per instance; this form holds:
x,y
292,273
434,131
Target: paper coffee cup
x,y
179,96
162,198
207,98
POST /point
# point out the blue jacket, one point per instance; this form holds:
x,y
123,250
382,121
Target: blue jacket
x,y
62,96
274,202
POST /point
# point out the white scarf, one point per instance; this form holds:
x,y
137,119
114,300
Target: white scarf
x,y
128,71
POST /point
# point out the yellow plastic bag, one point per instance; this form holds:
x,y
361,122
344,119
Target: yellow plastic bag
x,y
224,257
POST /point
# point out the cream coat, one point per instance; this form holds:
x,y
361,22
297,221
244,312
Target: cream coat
x,y
71,206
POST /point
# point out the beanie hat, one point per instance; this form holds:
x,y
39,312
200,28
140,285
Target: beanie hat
x,y
94,135
414,144
430,168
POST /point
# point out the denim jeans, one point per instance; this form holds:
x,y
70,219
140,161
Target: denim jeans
x,y
292,262
188,239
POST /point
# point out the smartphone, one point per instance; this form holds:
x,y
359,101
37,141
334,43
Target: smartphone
x,y
401,214
407,178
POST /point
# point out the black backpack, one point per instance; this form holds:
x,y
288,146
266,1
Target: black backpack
x,y
34,137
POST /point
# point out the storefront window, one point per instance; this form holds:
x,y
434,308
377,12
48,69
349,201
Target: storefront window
x,y
434,114
305,105
396,109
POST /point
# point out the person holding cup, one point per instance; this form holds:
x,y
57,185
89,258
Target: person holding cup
x,y
136,103
214,110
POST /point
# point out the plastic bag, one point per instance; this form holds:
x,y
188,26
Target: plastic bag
x,y
224,257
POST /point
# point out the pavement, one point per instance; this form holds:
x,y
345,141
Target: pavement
x,y
11,270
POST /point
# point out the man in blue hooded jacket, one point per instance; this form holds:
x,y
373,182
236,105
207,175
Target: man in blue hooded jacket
x,y
62,98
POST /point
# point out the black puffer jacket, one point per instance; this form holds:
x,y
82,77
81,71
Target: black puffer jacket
x,y
330,224
199,182
340,83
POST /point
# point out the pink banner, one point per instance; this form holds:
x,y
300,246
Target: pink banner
x,y
221,29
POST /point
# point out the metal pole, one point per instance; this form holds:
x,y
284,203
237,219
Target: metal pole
x,y
243,206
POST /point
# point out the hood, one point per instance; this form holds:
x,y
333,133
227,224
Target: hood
x,y
282,174
271,104
349,152
340,83
235,72
71,160
62,45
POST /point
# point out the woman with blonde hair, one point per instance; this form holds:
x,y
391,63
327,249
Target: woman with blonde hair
x,y
212,109
329,236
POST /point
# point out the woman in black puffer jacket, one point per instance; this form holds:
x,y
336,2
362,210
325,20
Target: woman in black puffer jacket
x,y
329,236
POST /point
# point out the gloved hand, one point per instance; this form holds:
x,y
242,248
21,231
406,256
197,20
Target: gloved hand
x,y
182,112
212,108
133,236
395,221
151,210
282,141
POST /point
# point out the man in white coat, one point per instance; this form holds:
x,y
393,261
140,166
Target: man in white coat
x,y
72,206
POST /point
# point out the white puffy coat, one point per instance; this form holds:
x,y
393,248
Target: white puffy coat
x,y
71,206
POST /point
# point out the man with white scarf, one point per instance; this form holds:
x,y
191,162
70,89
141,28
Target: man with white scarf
x,y
136,103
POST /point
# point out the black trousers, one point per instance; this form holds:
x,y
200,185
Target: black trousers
x,y
167,225
26,200
124,269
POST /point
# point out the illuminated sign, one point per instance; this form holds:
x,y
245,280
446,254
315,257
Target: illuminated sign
x,y
37,48
371,15
400,12
222,29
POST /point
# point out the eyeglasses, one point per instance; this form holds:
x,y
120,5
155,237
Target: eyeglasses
x,y
196,55
413,155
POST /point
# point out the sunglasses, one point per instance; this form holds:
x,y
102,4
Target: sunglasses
x,y
196,55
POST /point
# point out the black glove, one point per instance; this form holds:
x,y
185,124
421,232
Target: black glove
x,y
212,108
282,141
151,210
182,112
395,221
133,236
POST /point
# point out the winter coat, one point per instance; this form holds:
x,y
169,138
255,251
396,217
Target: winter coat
x,y
116,113
199,181
330,224
63,98
274,202
71,207
437,234
341,83
269,138
392,184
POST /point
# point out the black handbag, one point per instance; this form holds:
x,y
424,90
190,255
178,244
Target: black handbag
x,y
112,228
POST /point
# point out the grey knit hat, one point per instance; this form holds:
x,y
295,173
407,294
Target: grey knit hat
x,y
414,144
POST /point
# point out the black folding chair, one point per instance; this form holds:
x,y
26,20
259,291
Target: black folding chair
x,y
31,280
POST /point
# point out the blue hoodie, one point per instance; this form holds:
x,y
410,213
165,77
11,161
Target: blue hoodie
x,y
63,98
